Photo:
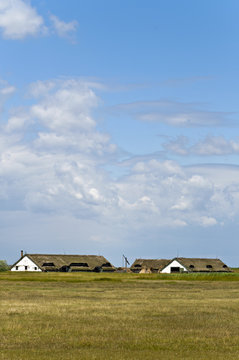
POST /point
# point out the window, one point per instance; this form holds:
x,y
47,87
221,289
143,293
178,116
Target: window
x,y
107,264
48,264
79,264
16,267
25,268
137,265
209,266
225,266
175,269
191,266
35,268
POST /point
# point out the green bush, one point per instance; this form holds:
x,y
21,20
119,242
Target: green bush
x,y
3,265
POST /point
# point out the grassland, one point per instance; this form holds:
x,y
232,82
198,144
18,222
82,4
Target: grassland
x,y
119,316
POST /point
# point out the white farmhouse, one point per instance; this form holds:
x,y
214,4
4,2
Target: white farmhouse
x,y
178,265
63,263
25,264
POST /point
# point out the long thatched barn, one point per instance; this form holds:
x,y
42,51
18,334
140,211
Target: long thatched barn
x,y
180,264
63,263
148,265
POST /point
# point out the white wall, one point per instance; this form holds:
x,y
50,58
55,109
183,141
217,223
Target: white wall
x,y
174,263
25,261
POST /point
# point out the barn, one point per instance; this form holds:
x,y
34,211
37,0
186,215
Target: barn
x,y
152,265
63,263
178,265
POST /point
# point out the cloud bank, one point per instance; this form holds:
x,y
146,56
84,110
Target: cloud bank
x,y
54,160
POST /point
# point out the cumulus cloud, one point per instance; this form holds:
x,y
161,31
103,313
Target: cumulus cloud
x,y
63,111
173,197
174,113
58,164
66,107
18,19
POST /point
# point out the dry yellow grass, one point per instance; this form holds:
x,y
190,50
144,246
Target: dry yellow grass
x,y
129,318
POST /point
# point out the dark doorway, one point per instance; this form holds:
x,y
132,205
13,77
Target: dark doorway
x,y
64,268
175,269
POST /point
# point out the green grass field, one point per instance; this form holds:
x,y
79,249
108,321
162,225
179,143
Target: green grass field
x,y
119,316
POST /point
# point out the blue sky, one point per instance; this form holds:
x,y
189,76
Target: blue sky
x,y
119,128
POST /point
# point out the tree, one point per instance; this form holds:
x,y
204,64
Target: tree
x,y
3,265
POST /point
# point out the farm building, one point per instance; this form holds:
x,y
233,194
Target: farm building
x,y
63,263
148,265
195,265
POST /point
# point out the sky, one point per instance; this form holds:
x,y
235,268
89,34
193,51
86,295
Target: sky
x,y
119,129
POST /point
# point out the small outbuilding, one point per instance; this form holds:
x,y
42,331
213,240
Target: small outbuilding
x,y
148,265
178,265
63,263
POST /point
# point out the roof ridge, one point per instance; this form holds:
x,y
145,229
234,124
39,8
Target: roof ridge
x,y
61,255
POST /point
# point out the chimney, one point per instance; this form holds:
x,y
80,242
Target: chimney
x,y
21,253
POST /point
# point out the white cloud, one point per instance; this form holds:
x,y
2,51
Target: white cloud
x,y
211,145
167,167
179,223
182,204
59,165
170,195
208,221
174,113
8,90
64,111
41,88
18,19
17,122
63,29
66,107
216,145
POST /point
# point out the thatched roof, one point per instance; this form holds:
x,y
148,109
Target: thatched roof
x,y
203,265
154,264
77,262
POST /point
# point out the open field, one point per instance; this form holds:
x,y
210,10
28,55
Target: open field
x,y
119,316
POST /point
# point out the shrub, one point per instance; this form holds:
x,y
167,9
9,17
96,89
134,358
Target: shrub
x,y
3,265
